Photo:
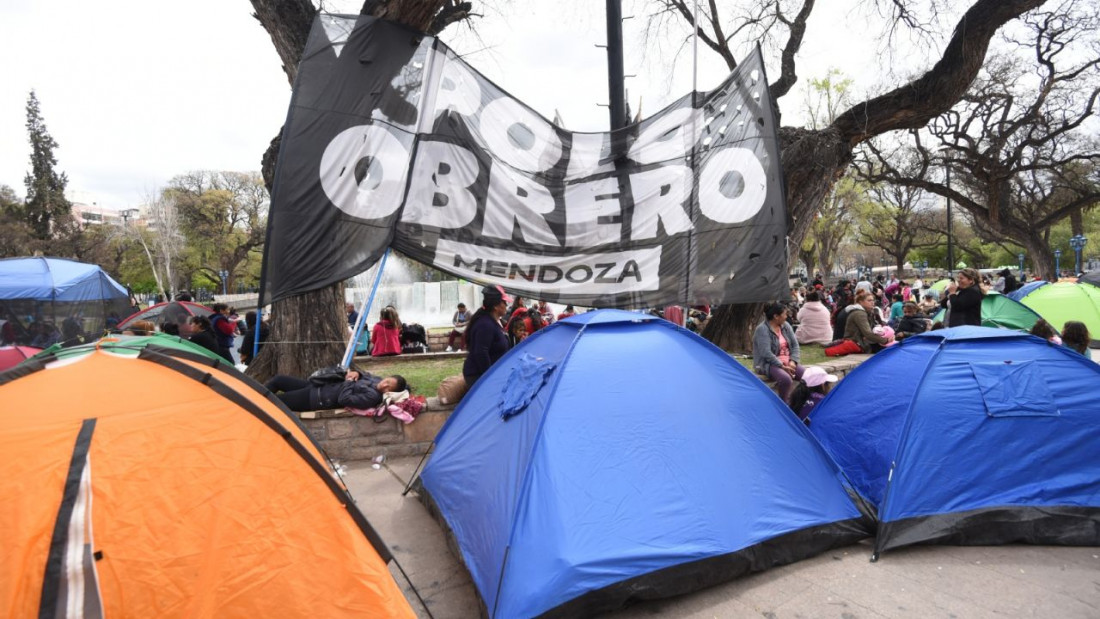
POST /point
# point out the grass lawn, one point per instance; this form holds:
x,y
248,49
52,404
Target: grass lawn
x,y
812,354
425,376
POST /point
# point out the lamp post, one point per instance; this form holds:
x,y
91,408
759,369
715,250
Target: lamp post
x,y
1077,242
1057,263
225,276
886,263
1021,257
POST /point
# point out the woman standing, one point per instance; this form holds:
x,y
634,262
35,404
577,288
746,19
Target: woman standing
x,y
775,351
486,341
964,300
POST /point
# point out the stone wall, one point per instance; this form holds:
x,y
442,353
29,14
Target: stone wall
x,y
347,437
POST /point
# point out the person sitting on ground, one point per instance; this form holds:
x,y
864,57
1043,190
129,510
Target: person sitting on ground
x,y
569,312
386,336
861,315
810,391
249,341
170,328
202,333
358,390
912,321
71,333
928,304
1045,330
486,341
140,327
459,321
964,300
813,321
896,310
775,351
1075,336
353,316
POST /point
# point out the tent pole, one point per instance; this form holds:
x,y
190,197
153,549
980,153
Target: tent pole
x,y
416,472
350,351
259,324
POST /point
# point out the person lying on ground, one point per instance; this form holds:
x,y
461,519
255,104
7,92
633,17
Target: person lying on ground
x,y
360,390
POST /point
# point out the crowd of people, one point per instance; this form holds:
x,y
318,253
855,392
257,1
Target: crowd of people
x,y
868,315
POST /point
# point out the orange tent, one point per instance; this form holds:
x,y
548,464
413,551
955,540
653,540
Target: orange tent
x,y
149,482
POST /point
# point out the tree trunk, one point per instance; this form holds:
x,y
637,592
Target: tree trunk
x,y
1042,260
308,331
731,326
813,161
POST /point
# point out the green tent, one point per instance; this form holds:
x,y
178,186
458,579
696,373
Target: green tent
x,y
130,345
999,311
1064,301
940,286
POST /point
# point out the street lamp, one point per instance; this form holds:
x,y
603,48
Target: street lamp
x,y
1077,242
224,275
1057,263
886,263
1021,257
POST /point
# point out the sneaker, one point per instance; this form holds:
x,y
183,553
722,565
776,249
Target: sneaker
x,y
449,349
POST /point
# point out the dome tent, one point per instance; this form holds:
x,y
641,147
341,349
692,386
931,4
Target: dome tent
x,y
1063,301
636,461
142,481
80,297
1026,289
989,437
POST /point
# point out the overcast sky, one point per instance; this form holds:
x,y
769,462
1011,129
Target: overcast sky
x,y
138,92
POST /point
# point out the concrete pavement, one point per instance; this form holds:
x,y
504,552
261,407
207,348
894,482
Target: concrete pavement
x,y
929,581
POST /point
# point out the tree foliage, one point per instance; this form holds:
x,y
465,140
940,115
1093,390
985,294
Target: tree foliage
x,y
223,216
46,203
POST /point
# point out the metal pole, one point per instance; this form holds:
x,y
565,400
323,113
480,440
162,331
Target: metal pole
x,y
615,77
950,250
349,352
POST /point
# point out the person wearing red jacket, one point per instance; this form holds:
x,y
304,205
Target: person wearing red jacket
x,y
386,336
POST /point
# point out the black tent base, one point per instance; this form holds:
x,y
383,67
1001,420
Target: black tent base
x,y
692,576
1058,525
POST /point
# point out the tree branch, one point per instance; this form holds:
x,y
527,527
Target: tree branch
x,y
916,103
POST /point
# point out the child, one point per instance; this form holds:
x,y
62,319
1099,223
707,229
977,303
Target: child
x,y
810,391
912,321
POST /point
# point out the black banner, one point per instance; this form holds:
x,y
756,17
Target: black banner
x,y
392,140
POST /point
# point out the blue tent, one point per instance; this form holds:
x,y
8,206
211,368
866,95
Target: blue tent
x,y
56,291
971,436
615,456
1026,289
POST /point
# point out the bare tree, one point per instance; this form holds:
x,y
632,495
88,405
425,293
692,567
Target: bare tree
x,y
814,159
315,321
1017,145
